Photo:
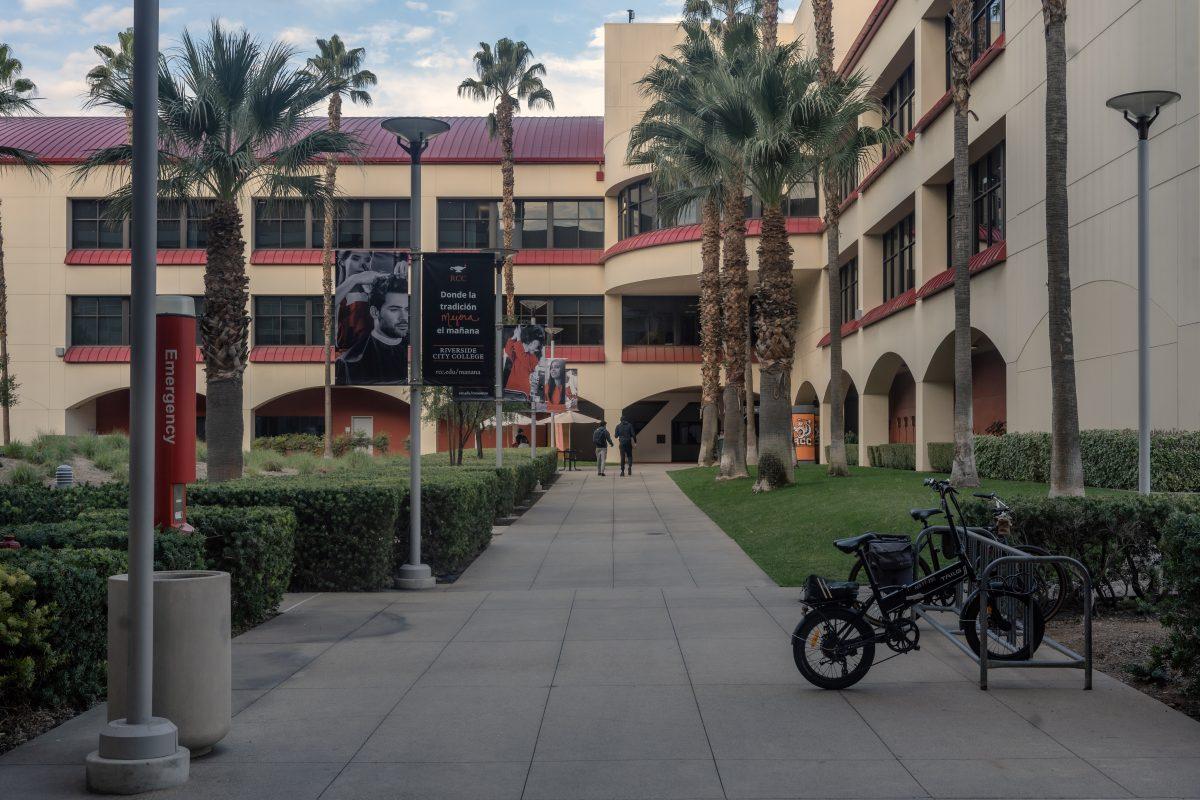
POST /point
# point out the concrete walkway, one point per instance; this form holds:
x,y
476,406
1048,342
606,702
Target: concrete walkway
x,y
613,643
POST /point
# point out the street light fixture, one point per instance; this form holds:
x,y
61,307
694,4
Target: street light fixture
x,y
413,135
1140,109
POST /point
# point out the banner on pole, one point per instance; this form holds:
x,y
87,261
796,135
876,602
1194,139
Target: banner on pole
x,y
370,317
523,345
458,320
555,386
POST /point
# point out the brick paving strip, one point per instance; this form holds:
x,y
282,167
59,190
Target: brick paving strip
x,y
614,643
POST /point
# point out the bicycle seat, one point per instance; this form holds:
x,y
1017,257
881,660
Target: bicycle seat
x,y
854,542
922,515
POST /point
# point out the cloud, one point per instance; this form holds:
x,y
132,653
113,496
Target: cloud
x,y
417,6
296,35
109,17
31,27
44,5
445,16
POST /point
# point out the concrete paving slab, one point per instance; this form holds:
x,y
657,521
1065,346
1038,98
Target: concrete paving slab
x,y
366,663
308,626
263,666
740,661
885,779
700,622
429,782
1040,778
497,664
504,625
1165,776
637,662
400,623
620,623
693,779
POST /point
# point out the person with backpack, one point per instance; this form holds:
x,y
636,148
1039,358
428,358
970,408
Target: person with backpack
x,y
603,441
627,438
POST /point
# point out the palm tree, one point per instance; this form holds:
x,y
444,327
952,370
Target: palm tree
x,y
111,81
1066,464
340,72
963,472
231,119
16,97
505,79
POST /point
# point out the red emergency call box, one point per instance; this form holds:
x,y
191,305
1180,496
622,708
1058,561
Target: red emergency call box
x,y
174,409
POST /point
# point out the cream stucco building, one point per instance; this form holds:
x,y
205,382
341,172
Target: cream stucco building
x,y
623,288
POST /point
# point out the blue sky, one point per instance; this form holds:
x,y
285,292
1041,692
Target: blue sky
x,y
420,49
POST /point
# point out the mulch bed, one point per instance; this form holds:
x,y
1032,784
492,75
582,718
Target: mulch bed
x,y
19,725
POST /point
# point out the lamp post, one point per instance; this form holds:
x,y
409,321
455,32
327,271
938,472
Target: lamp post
x,y
141,752
413,135
1140,109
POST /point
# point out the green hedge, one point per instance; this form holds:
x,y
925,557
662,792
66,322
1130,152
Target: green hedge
x,y
172,551
457,511
256,547
73,586
941,456
20,504
1181,569
1109,458
25,652
851,454
893,456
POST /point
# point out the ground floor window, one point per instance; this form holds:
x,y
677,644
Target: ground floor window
x,y
278,426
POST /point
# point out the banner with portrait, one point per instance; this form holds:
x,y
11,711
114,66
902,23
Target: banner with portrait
x,y
522,352
555,386
370,317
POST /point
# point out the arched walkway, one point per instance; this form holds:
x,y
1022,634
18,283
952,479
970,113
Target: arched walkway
x,y
667,425
889,403
988,377
108,412
850,415
355,409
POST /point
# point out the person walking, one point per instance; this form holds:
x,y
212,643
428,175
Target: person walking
x,y
628,439
603,441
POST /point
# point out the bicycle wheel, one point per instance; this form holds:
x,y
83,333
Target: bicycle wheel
x,y
1015,625
1052,583
832,647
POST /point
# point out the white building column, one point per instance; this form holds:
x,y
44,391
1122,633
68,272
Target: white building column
x,y
935,418
872,424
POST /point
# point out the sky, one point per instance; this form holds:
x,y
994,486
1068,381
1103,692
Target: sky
x,y
419,49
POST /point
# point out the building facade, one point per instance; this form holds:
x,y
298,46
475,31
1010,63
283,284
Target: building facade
x,y
622,284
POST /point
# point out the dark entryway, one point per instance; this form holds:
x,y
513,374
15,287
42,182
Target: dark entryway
x,y
685,434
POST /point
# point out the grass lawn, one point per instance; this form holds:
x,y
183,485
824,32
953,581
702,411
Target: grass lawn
x,y
789,532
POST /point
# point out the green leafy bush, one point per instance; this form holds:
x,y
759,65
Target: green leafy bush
x,y
256,547
19,504
851,454
893,456
73,586
25,651
291,443
172,551
1181,569
344,528
457,509
941,456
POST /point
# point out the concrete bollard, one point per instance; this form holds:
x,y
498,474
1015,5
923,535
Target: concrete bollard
x,y
192,653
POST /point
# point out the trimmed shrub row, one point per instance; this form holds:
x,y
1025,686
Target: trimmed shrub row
x,y
1181,570
893,456
851,454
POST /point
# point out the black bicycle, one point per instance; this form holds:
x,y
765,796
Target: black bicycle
x,y
834,643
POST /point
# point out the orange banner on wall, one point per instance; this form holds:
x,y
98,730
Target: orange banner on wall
x,y
804,436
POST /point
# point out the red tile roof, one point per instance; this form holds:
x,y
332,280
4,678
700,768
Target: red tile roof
x,y
884,310
104,354
661,354
580,353
558,256
286,256
546,140
996,254
287,354
84,257
691,233
847,329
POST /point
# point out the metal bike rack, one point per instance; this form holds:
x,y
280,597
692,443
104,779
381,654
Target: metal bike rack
x,y
995,559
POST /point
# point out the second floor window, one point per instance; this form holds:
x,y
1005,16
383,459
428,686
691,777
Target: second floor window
x,y
180,225
987,23
104,319
281,223
899,250
467,224
357,224
987,203
897,103
801,202
581,317
659,320
560,224
848,287
288,320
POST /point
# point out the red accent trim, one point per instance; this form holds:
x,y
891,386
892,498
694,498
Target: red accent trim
x,y
897,303
661,354
104,354
558,256
302,255
287,354
847,329
985,259
691,233
869,29
580,353
105,257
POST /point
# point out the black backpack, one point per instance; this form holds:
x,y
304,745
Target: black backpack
x,y
600,437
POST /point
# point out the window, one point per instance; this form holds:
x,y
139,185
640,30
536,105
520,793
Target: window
x,y
348,230
899,248
987,203
897,103
99,320
390,224
559,223
637,209
801,202
580,317
288,320
195,222
279,426
280,223
90,229
660,321
467,224
848,280
987,23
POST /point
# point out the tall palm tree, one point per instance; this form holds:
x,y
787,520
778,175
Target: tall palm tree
x,y
505,78
16,97
963,471
231,119
1066,464
110,82
339,71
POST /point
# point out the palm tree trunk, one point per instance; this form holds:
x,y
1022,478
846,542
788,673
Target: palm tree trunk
x,y
710,327
823,23
751,427
6,389
335,124
734,280
223,340
770,15
504,125
1066,464
963,471
776,325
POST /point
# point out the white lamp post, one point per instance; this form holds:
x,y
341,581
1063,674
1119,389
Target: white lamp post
x,y
1140,110
413,135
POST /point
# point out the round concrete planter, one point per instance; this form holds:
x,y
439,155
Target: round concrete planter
x,y
192,653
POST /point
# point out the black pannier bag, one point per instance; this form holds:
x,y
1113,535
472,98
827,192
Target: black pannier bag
x,y
893,563
818,590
